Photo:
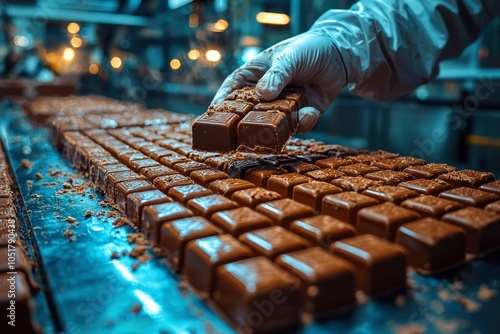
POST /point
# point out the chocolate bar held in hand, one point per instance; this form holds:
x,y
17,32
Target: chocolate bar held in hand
x,y
244,122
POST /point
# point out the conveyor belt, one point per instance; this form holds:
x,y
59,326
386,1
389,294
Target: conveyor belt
x,y
84,290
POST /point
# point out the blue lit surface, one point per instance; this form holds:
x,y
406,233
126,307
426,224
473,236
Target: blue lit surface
x,y
93,293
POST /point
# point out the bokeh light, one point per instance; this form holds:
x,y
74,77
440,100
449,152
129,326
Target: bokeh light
x,y
193,54
93,68
73,28
76,42
116,62
68,54
213,55
175,64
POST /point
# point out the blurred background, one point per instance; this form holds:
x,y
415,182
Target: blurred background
x,y
174,54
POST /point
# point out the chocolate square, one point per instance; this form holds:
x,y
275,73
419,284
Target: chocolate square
x,y
273,241
252,197
312,193
284,184
173,159
112,179
152,173
383,220
215,131
264,130
176,234
288,107
380,265
138,165
265,287
333,162
227,187
259,175
155,215
389,177
325,174
432,246
299,167
204,255
184,193
164,183
429,171
493,207
469,196
358,169
492,187
122,189
206,206
398,164
355,183
431,206
345,206
328,282
393,194
482,229
137,201
467,178
205,177
322,230
284,211
240,220
185,168
239,108
425,186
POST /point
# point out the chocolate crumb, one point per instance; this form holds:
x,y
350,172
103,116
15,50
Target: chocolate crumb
x,y
70,219
136,308
485,293
39,176
26,164
138,251
119,222
135,266
87,214
115,255
68,233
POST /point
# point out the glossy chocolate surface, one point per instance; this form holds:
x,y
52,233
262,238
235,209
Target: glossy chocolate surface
x,y
432,246
273,241
322,230
380,265
383,220
240,220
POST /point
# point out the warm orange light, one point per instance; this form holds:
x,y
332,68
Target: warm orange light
x,y
73,28
175,64
194,20
68,54
93,68
213,55
273,18
193,54
116,62
220,25
76,42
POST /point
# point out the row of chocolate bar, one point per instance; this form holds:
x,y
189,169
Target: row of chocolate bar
x,y
263,226
246,122
17,284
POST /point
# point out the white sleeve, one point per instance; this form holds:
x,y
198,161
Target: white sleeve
x,y
389,47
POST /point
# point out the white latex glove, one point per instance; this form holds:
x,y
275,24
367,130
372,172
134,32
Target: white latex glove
x,y
381,49
309,60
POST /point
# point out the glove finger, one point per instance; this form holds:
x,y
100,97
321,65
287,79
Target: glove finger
x,y
308,117
276,78
246,75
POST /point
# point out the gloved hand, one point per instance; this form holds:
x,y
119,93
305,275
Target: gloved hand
x,y
381,49
310,60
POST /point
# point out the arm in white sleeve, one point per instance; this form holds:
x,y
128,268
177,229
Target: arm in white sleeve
x,y
389,47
